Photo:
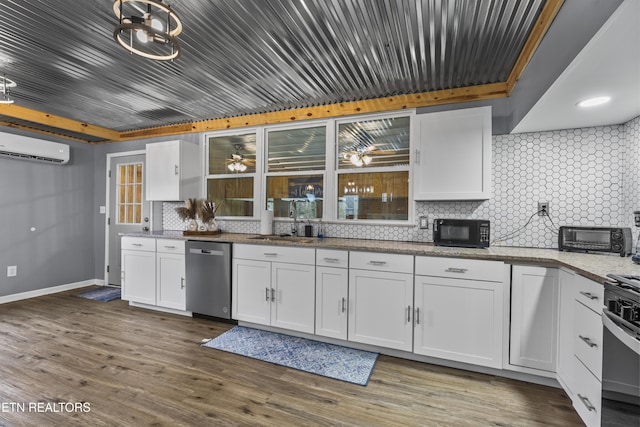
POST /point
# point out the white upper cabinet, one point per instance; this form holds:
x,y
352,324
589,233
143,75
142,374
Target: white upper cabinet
x,y
173,171
453,155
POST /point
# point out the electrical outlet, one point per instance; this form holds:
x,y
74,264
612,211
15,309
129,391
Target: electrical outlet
x,y
543,208
424,223
12,271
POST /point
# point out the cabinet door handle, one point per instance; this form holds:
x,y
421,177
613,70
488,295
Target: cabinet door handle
x,y
417,315
408,314
270,254
589,295
378,262
273,294
588,341
267,293
586,403
344,305
176,170
182,283
417,157
456,270
332,260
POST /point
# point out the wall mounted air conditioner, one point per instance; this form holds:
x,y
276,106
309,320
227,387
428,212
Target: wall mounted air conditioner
x,y
22,147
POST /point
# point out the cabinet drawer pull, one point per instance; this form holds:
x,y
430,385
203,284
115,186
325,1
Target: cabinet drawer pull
x,y
588,341
137,244
417,315
267,293
408,314
332,260
589,295
344,305
270,254
586,403
170,247
378,262
456,270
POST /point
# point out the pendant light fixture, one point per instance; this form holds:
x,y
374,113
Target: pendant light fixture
x,y
5,90
147,28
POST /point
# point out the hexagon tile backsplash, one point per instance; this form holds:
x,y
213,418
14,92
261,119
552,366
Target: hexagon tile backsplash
x,y
589,176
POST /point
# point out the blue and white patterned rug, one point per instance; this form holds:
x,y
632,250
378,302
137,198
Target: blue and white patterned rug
x,y
329,360
103,293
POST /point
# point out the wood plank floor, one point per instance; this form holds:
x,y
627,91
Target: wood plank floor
x,y
138,367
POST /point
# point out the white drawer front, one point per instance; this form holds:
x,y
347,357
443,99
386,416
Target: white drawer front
x,y
138,243
332,258
587,341
381,262
587,397
289,254
590,293
457,268
171,246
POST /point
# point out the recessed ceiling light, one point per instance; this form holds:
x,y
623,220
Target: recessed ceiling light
x,y
592,102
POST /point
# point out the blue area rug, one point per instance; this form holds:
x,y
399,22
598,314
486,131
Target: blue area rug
x,y
333,361
105,293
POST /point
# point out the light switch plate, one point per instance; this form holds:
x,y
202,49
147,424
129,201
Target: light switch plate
x,y
423,223
12,271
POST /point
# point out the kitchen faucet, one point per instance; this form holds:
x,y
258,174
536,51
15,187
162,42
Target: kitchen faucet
x,y
293,213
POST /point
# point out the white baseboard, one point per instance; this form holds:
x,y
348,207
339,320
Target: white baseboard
x,y
52,290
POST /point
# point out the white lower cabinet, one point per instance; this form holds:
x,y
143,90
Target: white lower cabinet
x,y
534,317
580,343
170,274
381,300
153,272
459,318
138,269
332,293
275,286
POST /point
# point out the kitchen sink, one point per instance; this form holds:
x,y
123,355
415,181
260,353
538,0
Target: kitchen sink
x,y
279,238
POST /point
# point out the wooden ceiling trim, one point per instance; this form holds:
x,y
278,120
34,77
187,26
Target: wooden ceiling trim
x,y
59,122
392,103
548,14
43,132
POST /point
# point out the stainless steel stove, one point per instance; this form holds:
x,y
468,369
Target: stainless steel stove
x,y
622,302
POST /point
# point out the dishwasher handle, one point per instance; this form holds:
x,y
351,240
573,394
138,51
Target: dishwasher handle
x,y
199,251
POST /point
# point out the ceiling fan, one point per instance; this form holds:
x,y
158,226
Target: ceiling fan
x,y
236,162
364,149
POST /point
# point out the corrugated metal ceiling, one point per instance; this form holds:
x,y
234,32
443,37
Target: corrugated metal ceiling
x,y
245,57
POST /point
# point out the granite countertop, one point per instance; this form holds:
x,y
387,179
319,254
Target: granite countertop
x,y
592,266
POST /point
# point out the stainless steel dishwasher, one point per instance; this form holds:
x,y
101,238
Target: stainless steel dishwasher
x,y
208,287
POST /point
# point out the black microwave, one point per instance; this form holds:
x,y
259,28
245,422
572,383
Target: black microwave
x,y
465,233
595,239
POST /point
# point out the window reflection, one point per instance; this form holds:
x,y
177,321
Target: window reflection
x,y
373,196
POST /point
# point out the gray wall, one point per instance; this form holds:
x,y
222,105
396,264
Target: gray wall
x,y
57,201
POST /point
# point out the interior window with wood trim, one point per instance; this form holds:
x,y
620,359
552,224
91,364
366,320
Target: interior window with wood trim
x,y
129,194
231,170
373,169
296,163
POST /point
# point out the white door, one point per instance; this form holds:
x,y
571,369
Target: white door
x,y
293,303
139,276
128,208
332,287
459,320
251,287
534,317
381,308
170,271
